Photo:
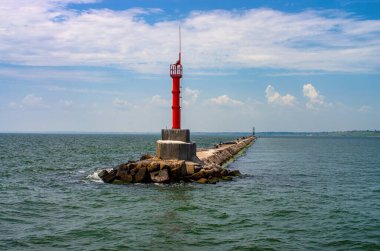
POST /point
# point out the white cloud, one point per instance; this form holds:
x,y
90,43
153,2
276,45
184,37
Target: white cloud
x,y
365,109
56,74
224,100
67,103
29,101
55,88
120,103
47,33
274,97
32,100
190,96
157,100
315,99
14,105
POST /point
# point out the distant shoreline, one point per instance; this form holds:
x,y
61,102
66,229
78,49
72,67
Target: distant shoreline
x,y
353,133
359,133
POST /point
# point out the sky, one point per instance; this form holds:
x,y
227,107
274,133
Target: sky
x,y
103,65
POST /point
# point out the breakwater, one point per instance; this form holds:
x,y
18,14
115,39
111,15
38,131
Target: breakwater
x,y
206,167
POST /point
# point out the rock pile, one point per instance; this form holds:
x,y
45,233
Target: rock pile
x,y
207,168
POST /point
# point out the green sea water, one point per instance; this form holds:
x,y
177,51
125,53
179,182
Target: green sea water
x,y
296,193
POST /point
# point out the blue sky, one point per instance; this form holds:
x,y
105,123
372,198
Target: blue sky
x,y
102,66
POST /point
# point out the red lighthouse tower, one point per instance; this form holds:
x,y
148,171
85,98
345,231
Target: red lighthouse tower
x,y
175,143
176,74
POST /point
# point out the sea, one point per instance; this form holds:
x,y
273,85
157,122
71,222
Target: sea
x,y
296,193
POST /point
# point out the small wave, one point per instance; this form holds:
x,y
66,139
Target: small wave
x,y
95,176
376,191
160,184
282,213
244,176
223,216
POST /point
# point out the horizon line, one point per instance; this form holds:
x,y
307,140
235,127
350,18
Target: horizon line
x,y
158,132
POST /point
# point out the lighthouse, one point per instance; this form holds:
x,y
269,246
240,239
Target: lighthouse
x,y
175,143
176,75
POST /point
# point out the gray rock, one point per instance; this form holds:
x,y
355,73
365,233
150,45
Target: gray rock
x,y
209,173
202,181
187,170
161,176
134,171
217,172
103,173
227,178
154,166
131,166
213,180
224,172
124,176
111,176
197,169
124,166
234,173
141,176
198,175
176,173
146,156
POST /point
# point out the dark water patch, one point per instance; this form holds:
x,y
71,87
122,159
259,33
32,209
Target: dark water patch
x,y
187,208
283,213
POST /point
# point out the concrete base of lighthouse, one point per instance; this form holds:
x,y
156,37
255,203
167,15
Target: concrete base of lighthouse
x,y
176,134
178,150
175,144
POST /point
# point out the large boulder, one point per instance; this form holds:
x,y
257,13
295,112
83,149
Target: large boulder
x,y
153,166
198,175
187,170
213,180
161,176
202,181
234,173
124,176
143,163
108,177
124,166
217,172
164,165
134,170
176,173
141,175
224,172
103,173
131,166
209,173
176,170
146,156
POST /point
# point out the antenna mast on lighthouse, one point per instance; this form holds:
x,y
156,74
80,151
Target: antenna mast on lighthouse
x,y
180,42
176,74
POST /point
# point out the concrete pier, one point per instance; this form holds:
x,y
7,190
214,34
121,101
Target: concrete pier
x,y
222,153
